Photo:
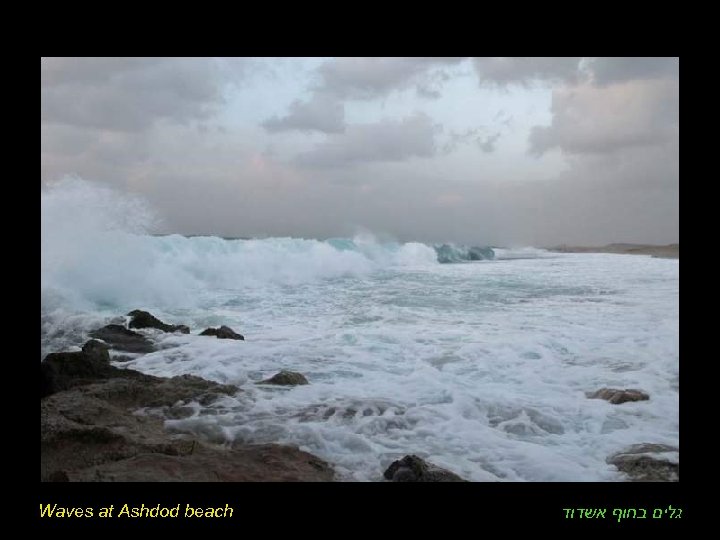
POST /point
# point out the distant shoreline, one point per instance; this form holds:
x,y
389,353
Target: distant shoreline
x,y
670,251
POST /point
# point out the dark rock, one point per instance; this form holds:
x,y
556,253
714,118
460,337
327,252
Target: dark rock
x,y
97,349
89,433
102,423
140,390
143,319
58,476
122,358
641,465
414,469
122,339
178,412
63,371
224,332
286,378
617,396
210,396
60,371
78,430
92,424
251,463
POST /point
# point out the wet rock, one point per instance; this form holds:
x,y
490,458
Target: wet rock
x,y
617,396
224,332
126,387
122,339
178,412
143,319
60,371
78,430
97,349
140,390
58,476
251,463
91,433
99,422
411,468
286,378
122,358
648,463
93,424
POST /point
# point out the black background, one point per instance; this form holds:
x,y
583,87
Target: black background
x,y
340,509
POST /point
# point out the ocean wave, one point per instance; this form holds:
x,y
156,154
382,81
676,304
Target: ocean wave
x,y
96,253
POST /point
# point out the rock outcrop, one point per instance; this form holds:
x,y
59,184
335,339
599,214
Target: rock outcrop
x,y
648,463
92,428
61,371
143,319
411,468
286,378
122,339
617,396
224,332
242,463
98,349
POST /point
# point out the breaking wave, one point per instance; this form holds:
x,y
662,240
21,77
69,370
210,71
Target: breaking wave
x,y
97,252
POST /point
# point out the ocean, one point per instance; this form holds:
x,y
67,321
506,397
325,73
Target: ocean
x,y
477,360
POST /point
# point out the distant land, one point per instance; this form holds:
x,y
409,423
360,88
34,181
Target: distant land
x,y
670,251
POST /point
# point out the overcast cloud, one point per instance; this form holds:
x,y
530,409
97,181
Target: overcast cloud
x,y
322,113
388,140
481,150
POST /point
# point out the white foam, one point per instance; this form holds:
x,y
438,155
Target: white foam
x,y
95,255
481,368
525,252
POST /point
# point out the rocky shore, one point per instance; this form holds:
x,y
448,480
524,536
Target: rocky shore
x,y
99,422
90,429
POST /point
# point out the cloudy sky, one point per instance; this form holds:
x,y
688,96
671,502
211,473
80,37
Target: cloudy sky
x,y
504,151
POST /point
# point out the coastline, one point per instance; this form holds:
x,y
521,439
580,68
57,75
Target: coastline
x,y
101,421
669,251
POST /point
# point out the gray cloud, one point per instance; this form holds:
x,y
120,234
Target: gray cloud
x,y
487,144
456,139
619,131
56,71
588,119
129,94
361,78
506,70
322,113
614,128
369,78
388,140
68,149
599,71
627,196
430,84
610,70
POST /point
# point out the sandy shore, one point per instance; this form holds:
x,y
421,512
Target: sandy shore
x,y
670,251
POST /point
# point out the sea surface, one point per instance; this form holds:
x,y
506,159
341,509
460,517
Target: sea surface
x,y
480,363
